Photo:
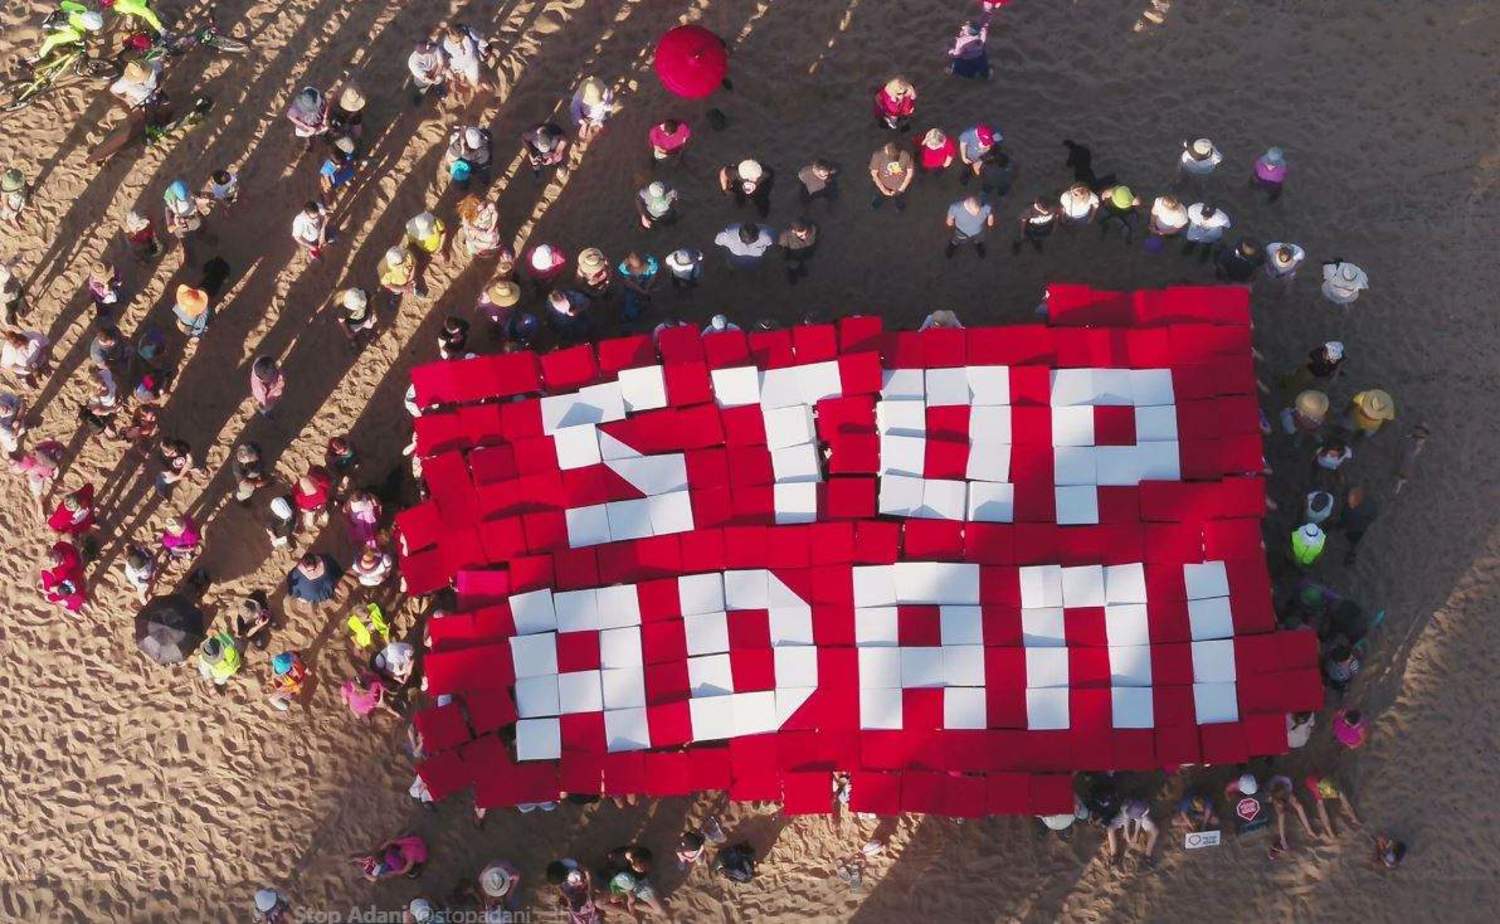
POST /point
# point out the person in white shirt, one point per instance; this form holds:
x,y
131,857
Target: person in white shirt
x,y
24,355
1199,159
1343,281
1078,204
138,84
429,70
310,229
1206,225
1282,263
1169,217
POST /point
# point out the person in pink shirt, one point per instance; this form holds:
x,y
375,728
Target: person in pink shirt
x,y
267,384
62,579
896,103
181,539
543,263
74,516
936,152
40,467
1270,173
668,139
1350,728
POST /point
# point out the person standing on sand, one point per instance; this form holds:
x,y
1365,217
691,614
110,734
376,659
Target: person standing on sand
x,y
1282,262
748,181
1078,205
314,580
249,470
429,70
967,56
895,104
974,146
479,229
1199,159
40,468
1169,218
1119,206
1035,225
470,151
544,264
74,516
668,140
465,52
968,219
1369,410
1343,281
399,273
685,268
12,297
568,314
1358,515
546,146
936,151
819,181
1206,226
310,229
308,113
1269,173
1239,263
891,172
638,276
798,243
745,245
338,170
267,384
592,105
24,355
656,204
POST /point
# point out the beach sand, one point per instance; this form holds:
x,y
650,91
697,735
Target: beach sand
x,y
130,793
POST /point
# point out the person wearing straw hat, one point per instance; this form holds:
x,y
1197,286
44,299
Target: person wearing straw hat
x,y
656,204
499,886
1369,410
1168,218
1343,281
593,273
546,146
420,910
748,181
498,301
192,311
356,319
1199,159
895,104
1307,414
479,227
465,51
428,66
1307,545
891,172
398,272
1269,173
15,193
592,105
347,117
138,84
1119,205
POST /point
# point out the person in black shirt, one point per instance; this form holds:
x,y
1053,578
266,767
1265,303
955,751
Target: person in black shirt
x,y
1359,513
453,339
798,242
1239,263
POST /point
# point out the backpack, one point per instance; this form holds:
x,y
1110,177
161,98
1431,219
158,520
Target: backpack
x,y
736,863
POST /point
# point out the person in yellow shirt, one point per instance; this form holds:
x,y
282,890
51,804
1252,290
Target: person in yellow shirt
x,y
219,659
398,272
426,234
1370,409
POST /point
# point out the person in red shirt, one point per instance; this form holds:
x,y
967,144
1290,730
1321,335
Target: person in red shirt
x,y
74,516
668,139
896,103
313,494
936,151
543,263
62,579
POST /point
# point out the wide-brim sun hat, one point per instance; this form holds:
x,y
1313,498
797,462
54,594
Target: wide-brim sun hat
x,y
193,302
1376,404
1312,404
1202,148
12,180
591,260
354,299
420,909
494,881
503,293
351,99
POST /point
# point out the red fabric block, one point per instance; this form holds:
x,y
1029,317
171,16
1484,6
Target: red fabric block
x,y
575,569
815,343
659,555
1235,375
854,454
583,731
902,349
1089,712
946,457
754,777
749,629
670,723
1201,459
749,466
1301,690
1119,504
446,774
1005,708
545,531
934,540
876,542
726,349
1134,749
703,549
849,414
680,344
860,373
1165,582
1177,744
663,642
667,682
1088,667
625,773
1193,381
1265,735
1031,386
833,624
922,792
490,711
579,651
1242,455
1224,743
1148,348
832,543
688,383
798,750
1237,538
788,547
1256,654
1031,426
833,585
491,464
419,527
619,353
875,792
892,750
441,727
1084,627
1008,794
752,505
1051,794
1172,543
860,333
1171,662
806,793
520,419
745,546
918,625
999,586
707,468
772,349
582,773
989,544
1012,345
944,347
464,548
441,432
619,563
536,455
1001,624
1299,648
709,768
1036,543
967,751
1172,704
659,599
1114,426
569,369
964,796
1080,545
712,506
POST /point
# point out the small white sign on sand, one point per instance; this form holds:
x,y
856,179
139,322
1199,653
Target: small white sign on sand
x,y
1195,839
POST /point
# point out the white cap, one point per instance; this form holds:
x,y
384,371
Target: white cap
x,y
1203,147
420,910
473,138
354,299
718,322
1334,349
657,189
281,508
1248,784
749,170
423,224
541,257
266,899
395,256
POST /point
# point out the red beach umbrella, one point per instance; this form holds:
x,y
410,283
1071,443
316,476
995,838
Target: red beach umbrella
x,y
691,61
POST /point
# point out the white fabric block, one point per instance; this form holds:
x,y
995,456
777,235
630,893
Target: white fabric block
x,y
921,667
534,655
988,461
988,385
876,626
710,675
624,687
537,696
1208,579
1072,387
1125,583
712,716
533,612
1132,707
1046,709
579,691
1159,461
619,606
797,463
736,386
817,381
1126,624
900,495
874,585
593,405
780,388
1155,423
1073,426
901,418
1213,661
538,739
903,455
936,582
880,708
796,503
701,593
620,647
791,625
629,519
1046,667
963,665
626,730
778,594
1043,628
1083,586
1074,465
989,424
789,700
643,389
963,707
1113,387
796,666
1215,703
747,590
607,397
706,633
992,502
903,384
613,448
1130,665
653,475
577,610
943,499
1041,585
788,426
577,447
947,387
880,668
1077,504
1151,387
1117,466
1210,618
670,513
755,713
961,625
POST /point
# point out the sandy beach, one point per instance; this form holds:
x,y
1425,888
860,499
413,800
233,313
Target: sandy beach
x,y
131,793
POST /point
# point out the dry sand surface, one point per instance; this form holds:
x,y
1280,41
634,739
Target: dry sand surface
x,y
131,794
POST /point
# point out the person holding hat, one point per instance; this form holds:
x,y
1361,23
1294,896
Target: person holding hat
x,y
308,113
1119,207
936,151
356,319
1369,410
271,908
465,52
429,70
219,659
593,273
1282,262
15,193
546,146
192,311
668,139
891,172
638,276
288,675
498,300
748,181
685,267
968,219
593,103
544,264
479,227
427,236
138,84
974,146
499,886
398,272
347,118
895,104
745,245
656,204
1343,281
1199,159
1239,263
469,154
967,57
1269,173
337,170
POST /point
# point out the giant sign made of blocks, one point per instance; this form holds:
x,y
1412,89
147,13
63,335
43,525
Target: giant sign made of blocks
x,y
959,564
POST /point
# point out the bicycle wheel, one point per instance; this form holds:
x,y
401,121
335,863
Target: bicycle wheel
x,y
18,94
97,68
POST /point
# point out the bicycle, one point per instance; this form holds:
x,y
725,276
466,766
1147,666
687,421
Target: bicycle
x,y
54,71
208,36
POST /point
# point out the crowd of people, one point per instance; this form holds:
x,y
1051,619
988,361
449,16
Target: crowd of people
x,y
546,289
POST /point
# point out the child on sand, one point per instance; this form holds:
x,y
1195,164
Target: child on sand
x,y
104,286
288,675
267,384
399,856
140,571
140,234
39,467
15,193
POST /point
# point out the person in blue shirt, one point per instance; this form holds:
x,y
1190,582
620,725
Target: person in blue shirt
x,y
337,170
637,277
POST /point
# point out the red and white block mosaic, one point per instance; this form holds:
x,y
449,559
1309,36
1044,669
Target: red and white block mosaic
x,y
960,564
